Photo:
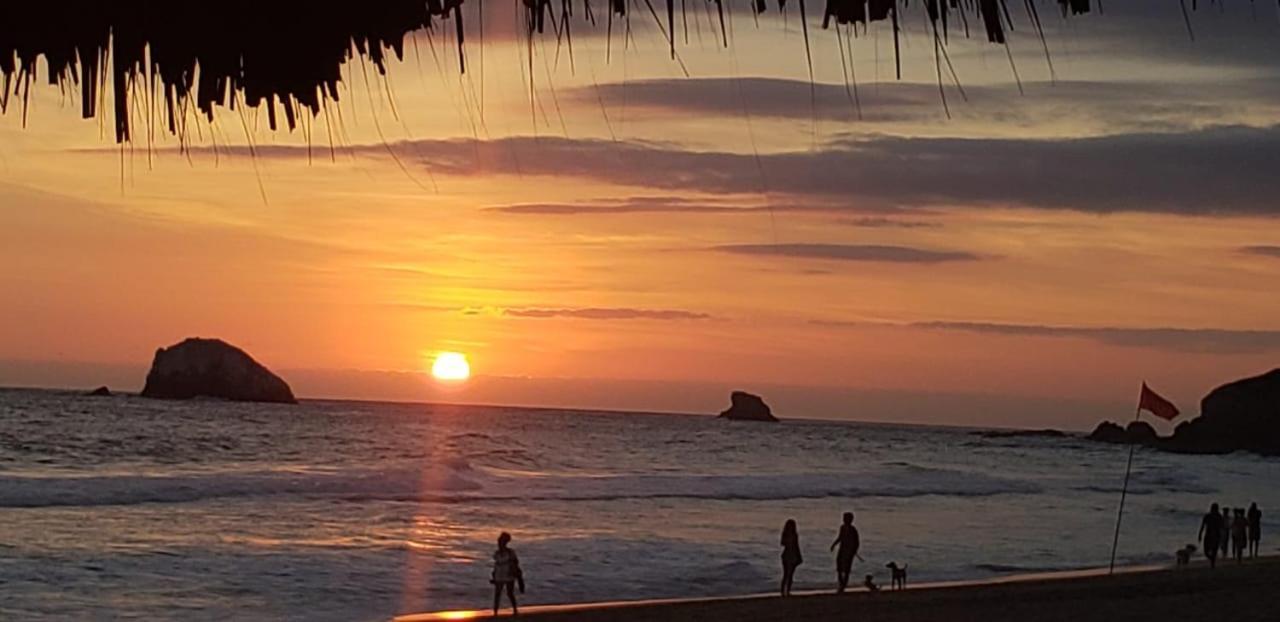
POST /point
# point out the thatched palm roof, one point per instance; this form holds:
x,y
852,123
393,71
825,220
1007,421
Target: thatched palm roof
x,y
287,54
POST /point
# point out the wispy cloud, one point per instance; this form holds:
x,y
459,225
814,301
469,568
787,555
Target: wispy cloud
x,y
1214,171
1186,340
1120,105
850,252
599,313
1265,251
880,222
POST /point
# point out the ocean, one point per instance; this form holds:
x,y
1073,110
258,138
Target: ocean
x,y
122,507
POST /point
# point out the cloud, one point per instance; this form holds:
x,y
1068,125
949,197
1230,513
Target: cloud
x,y
1185,340
631,205
596,313
1221,170
665,205
880,222
1120,105
849,252
1265,251
1214,171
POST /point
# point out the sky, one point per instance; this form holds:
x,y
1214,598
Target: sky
x,y
644,233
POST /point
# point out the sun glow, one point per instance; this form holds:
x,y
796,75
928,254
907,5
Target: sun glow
x,y
451,367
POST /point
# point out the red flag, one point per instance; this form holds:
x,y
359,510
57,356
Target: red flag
x,y
1156,405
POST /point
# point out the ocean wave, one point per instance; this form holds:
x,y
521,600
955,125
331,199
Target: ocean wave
x,y
1021,569
457,480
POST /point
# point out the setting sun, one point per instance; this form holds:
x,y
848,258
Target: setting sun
x,y
451,366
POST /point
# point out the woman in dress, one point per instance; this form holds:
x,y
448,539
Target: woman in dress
x,y
790,555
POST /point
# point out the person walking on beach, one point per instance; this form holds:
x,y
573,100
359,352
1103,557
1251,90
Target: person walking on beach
x,y
1225,542
791,557
506,574
848,541
1255,529
1211,528
1239,534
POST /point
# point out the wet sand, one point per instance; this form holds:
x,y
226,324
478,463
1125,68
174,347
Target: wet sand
x,y
1235,593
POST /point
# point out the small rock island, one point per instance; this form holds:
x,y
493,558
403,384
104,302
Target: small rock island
x,y
213,368
747,407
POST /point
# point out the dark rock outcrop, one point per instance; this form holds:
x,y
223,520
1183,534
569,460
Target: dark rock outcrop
x,y
213,368
1238,416
747,407
100,392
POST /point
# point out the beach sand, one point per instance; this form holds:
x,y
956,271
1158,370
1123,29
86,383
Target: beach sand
x,y
1229,593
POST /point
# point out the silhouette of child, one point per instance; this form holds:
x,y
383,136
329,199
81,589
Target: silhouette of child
x,y
791,557
870,584
849,542
506,573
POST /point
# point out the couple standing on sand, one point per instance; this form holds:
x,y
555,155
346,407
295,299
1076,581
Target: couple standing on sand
x,y
847,540
1221,529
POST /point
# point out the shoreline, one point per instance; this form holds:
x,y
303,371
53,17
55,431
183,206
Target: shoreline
x,y
1071,594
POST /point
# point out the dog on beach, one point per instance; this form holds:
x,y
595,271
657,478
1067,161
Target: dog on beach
x,y
899,579
1184,554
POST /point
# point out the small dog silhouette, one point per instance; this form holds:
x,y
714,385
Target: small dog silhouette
x,y
899,579
1184,554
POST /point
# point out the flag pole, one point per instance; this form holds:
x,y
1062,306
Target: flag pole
x,y
1124,491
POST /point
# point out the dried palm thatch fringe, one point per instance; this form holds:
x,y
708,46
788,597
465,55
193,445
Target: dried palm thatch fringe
x,y
290,52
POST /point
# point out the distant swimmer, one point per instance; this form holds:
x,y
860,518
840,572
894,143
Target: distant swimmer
x,y
848,543
506,574
1255,529
1211,533
791,557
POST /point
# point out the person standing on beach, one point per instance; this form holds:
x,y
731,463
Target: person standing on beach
x,y
1211,528
506,573
1239,534
1255,529
849,542
791,557
1225,542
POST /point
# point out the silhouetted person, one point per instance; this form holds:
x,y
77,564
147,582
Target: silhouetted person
x,y
1225,542
1211,528
790,555
1255,529
506,573
1239,534
848,541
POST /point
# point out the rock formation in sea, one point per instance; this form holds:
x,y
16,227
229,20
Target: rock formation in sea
x,y
1139,432
213,368
747,407
1238,416
100,392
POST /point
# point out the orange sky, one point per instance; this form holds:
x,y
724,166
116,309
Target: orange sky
x,y
646,241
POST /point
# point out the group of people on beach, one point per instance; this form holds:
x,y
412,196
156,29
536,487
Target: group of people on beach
x,y
507,575
1231,531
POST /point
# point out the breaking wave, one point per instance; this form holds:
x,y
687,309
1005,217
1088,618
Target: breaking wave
x,y
457,480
